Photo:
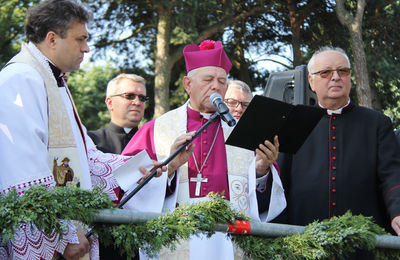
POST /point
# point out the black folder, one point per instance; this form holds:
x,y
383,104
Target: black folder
x,y
266,117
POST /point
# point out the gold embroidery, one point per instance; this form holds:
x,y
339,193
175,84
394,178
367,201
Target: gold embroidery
x,y
63,173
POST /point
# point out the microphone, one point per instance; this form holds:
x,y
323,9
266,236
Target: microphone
x,y
222,109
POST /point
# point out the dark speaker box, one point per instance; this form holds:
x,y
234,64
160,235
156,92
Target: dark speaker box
x,y
291,87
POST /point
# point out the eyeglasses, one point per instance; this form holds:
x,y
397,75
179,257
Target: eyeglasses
x,y
342,72
132,96
235,103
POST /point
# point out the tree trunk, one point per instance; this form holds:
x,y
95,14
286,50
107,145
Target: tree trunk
x,y
165,60
295,28
238,59
162,62
354,25
363,89
296,18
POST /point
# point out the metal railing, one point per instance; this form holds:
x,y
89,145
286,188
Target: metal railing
x,y
123,216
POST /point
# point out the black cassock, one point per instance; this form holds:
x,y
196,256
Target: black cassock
x,y
351,161
111,139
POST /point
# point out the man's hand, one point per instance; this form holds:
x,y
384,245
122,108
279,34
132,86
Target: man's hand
x,y
184,155
396,225
146,173
76,251
266,154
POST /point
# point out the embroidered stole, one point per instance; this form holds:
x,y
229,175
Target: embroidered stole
x,y
173,124
63,153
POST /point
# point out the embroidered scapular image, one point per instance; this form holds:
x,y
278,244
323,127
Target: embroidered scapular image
x,y
63,173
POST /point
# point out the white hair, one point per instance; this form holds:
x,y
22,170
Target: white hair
x,y
193,72
238,84
310,65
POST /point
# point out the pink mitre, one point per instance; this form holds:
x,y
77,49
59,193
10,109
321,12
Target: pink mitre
x,y
208,53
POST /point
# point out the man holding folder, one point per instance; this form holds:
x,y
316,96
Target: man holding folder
x,y
351,160
213,166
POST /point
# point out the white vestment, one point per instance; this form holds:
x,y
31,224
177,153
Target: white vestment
x,y
242,185
24,146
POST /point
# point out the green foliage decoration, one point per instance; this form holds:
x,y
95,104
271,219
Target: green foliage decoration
x,y
336,237
45,207
166,230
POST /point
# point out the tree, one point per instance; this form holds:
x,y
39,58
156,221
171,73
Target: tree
x,y
383,54
165,27
130,29
12,17
354,25
241,41
88,89
379,41
297,14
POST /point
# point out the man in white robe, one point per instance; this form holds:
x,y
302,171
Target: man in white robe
x,y
40,127
213,166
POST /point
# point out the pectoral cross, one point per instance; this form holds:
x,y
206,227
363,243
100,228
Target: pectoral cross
x,y
198,181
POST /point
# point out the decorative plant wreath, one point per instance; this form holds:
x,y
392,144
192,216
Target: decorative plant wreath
x,y
336,237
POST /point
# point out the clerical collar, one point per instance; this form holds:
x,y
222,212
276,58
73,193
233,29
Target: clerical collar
x,y
119,129
45,62
57,74
127,130
337,111
205,115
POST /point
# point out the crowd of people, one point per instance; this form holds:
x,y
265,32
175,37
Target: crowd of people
x,y
350,161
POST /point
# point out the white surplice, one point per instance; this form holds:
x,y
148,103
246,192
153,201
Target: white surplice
x,y
242,163
24,139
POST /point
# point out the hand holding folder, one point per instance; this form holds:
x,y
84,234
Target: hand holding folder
x,y
267,117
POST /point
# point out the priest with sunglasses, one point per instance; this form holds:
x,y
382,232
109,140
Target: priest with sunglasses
x,y
126,100
351,160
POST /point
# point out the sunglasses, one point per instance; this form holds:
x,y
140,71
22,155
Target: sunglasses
x,y
132,96
343,72
235,103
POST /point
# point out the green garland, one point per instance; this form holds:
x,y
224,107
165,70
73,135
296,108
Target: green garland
x,y
336,237
168,229
45,208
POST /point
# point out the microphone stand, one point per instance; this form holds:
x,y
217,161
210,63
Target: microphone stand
x,y
212,119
